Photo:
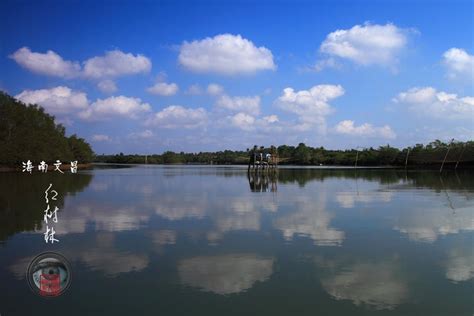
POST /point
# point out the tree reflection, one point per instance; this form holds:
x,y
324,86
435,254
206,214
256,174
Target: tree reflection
x,y
462,180
22,200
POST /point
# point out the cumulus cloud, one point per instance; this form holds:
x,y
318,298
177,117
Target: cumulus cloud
x,y
249,105
164,89
107,86
326,63
49,63
115,64
214,89
58,100
247,122
176,116
243,121
459,63
194,89
115,107
100,138
347,127
144,134
225,54
111,65
271,118
368,44
438,104
311,106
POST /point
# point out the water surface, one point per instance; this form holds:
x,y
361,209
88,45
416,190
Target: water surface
x,y
203,240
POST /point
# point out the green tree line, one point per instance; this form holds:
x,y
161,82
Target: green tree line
x,y
28,132
431,154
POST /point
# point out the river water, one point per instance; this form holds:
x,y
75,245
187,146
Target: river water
x,y
206,240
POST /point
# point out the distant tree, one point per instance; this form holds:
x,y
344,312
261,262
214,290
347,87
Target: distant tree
x,y
80,149
302,154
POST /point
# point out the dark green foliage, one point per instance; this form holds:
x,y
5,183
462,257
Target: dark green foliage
x,y
81,150
430,155
27,132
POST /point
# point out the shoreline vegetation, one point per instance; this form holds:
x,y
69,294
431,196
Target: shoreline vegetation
x,y
27,132
455,155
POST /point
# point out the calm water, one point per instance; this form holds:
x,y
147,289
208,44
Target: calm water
x,y
155,240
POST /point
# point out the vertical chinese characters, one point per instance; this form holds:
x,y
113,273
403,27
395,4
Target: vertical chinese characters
x,y
50,216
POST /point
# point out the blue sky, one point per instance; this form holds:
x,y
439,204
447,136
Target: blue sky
x,y
145,77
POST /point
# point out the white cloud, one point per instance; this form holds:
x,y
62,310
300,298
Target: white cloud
x,y
107,86
214,89
100,138
114,64
326,63
176,116
164,89
144,134
49,63
366,44
194,89
243,121
247,122
115,106
442,105
271,118
347,127
311,105
459,63
58,100
249,105
225,54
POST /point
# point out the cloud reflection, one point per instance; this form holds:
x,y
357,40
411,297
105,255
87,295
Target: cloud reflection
x,y
460,264
376,284
427,224
225,274
310,219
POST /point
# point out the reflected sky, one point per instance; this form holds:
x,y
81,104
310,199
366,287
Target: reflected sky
x,y
379,284
340,242
225,274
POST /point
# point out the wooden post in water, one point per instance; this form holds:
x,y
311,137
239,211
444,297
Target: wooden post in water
x,y
446,156
406,159
462,152
357,158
